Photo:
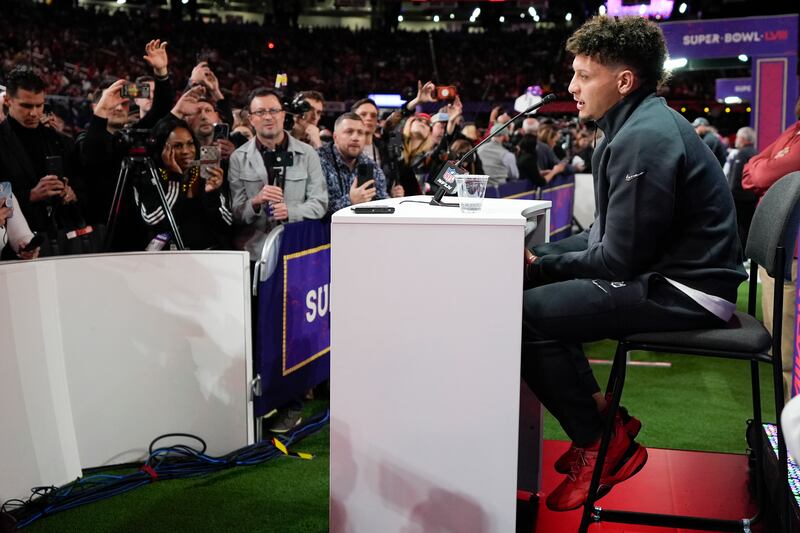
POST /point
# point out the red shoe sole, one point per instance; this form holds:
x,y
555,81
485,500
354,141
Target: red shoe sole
x,y
626,470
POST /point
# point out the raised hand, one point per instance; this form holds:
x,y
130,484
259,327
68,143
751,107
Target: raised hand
x,y
155,54
110,99
187,103
425,93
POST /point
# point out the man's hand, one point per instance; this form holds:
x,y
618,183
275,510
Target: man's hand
x,y
45,120
187,103
5,213
299,127
495,112
110,99
397,191
226,148
203,74
214,180
68,196
268,193
365,193
312,136
280,211
155,54
48,187
32,254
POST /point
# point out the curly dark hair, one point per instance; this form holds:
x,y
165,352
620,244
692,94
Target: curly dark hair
x,y
631,41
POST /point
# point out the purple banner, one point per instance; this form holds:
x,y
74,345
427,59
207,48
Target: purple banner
x,y
292,326
560,191
306,307
734,87
752,36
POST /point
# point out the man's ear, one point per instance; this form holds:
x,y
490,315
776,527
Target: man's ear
x,y
6,101
626,81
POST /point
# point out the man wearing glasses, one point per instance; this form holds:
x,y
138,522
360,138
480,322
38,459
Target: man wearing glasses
x,y
274,178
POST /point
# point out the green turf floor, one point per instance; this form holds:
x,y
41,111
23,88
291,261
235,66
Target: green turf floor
x,y
698,404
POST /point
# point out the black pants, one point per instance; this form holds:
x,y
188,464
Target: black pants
x,y
584,310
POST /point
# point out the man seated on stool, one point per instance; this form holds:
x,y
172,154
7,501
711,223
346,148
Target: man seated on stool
x,y
663,252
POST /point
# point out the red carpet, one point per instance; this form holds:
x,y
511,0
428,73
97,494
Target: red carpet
x,y
673,481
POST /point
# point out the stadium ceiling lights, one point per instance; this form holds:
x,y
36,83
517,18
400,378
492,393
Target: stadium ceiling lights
x,y
682,8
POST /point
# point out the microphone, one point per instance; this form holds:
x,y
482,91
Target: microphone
x,y
446,178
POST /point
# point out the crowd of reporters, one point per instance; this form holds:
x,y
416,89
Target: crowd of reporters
x,y
99,188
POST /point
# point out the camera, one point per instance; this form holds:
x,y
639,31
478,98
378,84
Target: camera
x,y
136,138
298,105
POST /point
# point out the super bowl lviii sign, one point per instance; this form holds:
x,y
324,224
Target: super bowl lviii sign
x,y
771,45
306,307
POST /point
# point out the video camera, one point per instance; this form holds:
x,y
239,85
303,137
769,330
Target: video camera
x,y
136,140
298,106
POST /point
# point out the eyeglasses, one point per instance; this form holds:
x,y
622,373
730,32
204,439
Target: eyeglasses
x,y
261,113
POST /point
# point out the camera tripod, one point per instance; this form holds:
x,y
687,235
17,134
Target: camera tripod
x,y
138,163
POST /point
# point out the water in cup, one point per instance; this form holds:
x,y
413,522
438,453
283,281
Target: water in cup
x,y
471,189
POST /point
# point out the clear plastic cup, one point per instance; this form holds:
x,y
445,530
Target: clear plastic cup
x,y
471,190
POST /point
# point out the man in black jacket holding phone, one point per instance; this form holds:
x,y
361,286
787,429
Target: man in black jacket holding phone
x,y
662,254
31,155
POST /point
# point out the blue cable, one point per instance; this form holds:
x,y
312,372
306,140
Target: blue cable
x,y
176,462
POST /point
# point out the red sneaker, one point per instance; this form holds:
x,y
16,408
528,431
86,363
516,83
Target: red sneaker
x,y
624,459
630,424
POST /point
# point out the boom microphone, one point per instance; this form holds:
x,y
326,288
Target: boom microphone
x,y
446,178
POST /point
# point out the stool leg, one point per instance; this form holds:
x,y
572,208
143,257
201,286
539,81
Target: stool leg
x,y
616,381
612,376
757,449
777,375
785,493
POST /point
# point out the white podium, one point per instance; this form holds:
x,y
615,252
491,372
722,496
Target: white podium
x,y
425,367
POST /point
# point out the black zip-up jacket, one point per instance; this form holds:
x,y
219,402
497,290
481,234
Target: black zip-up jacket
x,y
663,206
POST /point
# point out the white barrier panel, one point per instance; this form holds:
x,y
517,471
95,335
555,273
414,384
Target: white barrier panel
x,y
37,439
152,343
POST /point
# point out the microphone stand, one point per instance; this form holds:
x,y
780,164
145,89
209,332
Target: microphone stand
x,y
437,199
